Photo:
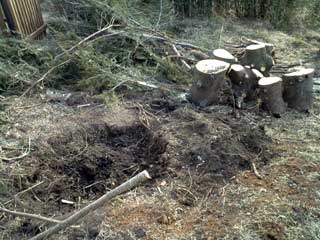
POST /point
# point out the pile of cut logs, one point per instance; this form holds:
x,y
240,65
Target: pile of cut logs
x,y
250,78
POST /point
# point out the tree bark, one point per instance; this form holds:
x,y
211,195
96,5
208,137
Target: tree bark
x,y
224,55
244,83
298,89
256,57
271,95
209,77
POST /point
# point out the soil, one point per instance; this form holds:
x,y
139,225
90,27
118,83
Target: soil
x,y
79,161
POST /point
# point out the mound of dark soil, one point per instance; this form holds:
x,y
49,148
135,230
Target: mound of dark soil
x,y
86,162
231,153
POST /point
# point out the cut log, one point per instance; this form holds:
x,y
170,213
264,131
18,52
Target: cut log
x,y
209,77
298,89
244,83
224,55
256,56
269,46
198,55
271,95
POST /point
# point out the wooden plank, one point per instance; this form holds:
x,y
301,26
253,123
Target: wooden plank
x,y
24,18
20,27
29,17
37,20
37,5
33,15
40,20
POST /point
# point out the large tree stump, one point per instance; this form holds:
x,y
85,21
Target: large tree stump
x,y
298,89
209,77
256,56
224,55
271,95
244,83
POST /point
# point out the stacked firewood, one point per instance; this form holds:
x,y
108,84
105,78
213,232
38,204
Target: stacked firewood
x,y
250,71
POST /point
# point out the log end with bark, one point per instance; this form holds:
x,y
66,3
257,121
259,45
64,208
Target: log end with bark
x,y
224,55
271,95
269,47
244,83
298,89
198,55
209,77
257,57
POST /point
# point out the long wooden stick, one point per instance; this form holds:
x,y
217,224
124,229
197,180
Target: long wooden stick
x,y
86,40
29,215
164,39
131,183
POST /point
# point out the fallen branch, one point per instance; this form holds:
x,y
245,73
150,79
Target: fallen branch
x,y
44,77
28,215
179,54
86,39
131,183
160,14
29,189
182,44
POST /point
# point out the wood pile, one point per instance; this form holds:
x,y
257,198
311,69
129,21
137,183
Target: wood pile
x,y
254,76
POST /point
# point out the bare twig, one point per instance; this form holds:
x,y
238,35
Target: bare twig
x,y
160,14
255,171
93,35
29,189
253,165
165,39
179,54
24,154
131,183
220,36
44,76
28,215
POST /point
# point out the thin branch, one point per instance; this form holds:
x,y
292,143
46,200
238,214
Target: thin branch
x,y
131,183
179,54
160,14
87,39
164,39
44,76
220,36
24,154
29,189
29,215
255,171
